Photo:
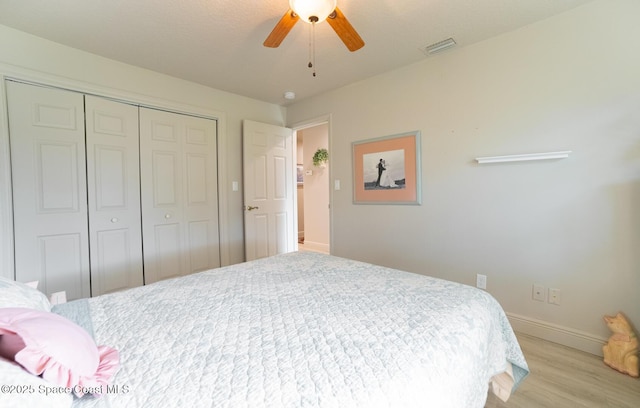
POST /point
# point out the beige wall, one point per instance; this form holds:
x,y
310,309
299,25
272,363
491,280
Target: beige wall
x,y
27,57
571,82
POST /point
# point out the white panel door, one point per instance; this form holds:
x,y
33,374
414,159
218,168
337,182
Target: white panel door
x,y
115,226
269,184
178,168
49,188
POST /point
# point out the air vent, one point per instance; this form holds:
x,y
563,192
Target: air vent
x,y
439,46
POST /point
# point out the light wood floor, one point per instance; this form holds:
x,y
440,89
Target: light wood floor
x,y
564,377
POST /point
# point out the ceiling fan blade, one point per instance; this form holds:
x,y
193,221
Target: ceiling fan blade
x,y
281,29
345,30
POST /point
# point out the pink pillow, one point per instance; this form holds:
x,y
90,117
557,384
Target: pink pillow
x,y
62,352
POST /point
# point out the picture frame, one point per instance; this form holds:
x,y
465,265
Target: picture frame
x,y
386,170
300,174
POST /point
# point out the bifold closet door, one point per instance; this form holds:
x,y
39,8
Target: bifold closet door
x,y
178,169
113,174
47,139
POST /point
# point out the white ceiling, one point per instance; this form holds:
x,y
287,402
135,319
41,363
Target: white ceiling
x,y
218,43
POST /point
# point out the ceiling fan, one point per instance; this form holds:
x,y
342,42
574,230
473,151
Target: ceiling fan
x,y
313,12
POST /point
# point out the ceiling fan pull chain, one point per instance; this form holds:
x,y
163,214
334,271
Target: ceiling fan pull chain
x,y
310,65
312,44
313,29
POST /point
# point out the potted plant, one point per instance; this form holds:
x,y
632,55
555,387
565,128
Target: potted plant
x,y
320,157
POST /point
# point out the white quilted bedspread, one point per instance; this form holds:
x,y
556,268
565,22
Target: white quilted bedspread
x,y
303,330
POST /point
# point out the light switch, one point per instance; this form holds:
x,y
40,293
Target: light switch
x,y
234,186
336,185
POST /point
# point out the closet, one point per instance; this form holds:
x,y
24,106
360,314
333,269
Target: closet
x,y
108,195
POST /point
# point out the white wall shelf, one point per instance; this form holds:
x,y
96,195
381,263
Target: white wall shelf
x,y
523,157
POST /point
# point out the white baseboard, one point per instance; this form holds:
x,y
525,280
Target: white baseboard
x,y
316,246
558,334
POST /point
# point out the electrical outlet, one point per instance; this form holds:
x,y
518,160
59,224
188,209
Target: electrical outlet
x,y
554,296
481,281
538,292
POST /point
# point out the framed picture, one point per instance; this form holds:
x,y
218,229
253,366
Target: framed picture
x,y
386,170
299,174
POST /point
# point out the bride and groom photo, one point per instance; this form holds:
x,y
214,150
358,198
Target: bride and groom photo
x,y
384,170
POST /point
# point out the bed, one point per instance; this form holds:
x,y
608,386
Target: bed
x,y
302,329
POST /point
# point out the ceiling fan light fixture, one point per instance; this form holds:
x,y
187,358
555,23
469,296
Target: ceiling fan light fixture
x,y
313,11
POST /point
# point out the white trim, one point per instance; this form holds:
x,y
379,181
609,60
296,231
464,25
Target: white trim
x,y
316,246
523,157
558,334
40,78
294,154
6,204
223,188
319,120
21,74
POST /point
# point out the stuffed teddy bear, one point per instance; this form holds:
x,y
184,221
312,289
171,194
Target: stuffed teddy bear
x,y
621,351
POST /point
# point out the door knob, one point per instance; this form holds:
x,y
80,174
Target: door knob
x,y
167,216
251,208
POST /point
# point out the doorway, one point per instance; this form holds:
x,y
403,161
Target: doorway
x,y
313,195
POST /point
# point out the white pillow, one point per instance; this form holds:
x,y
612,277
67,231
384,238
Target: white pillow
x,y
21,389
17,294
